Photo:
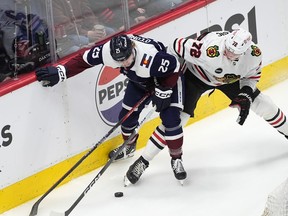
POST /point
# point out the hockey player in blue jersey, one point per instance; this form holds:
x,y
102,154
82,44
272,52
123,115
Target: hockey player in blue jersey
x,y
149,68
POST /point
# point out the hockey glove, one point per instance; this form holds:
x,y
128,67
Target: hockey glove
x,y
161,98
243,102
50,76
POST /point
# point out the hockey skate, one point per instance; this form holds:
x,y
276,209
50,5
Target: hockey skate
x,y
135,171
127,152
178,169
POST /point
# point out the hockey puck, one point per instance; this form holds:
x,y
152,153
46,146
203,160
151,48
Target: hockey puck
x,y
118,194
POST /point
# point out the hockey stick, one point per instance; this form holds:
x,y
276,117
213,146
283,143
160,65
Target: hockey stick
x,y
68,211
34,209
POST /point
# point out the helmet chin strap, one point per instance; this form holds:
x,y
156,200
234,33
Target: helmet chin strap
x,y
134,52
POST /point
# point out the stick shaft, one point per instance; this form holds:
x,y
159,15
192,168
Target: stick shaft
x,y
34,209
120,149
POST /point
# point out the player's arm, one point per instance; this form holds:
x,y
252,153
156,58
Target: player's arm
x,y
166,68
51,75
254,74
166,71
248,84
188,49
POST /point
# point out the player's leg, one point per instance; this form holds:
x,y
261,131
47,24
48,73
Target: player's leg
x,y
132,95
265,108
172,135
170,118
174,139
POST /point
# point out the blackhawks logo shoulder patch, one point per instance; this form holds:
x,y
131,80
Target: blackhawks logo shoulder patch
x,y
255,51
212,51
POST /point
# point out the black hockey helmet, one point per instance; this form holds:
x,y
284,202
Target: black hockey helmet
x,y
120,47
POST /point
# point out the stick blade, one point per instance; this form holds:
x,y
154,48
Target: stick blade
x,y
53,213
126,181
34,209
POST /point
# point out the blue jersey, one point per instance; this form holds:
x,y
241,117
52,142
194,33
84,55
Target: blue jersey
x,y
151,60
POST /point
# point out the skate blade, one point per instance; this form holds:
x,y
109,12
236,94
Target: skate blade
x,y
123,158
126,181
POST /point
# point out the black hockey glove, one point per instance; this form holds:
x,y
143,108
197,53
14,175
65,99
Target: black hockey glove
x,y
243,102
161,98
50,76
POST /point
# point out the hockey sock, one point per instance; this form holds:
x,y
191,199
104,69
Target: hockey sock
x,y
279,123
155,144
176,153
126,132
264,107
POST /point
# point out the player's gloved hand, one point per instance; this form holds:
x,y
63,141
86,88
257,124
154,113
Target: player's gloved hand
x,y
50,76
243,102
161,98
